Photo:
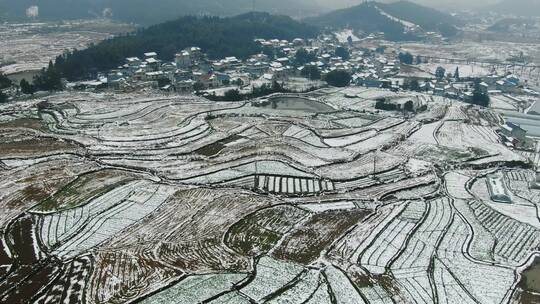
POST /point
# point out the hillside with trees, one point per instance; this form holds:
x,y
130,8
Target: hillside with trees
x,y
428,18
508,25
390,19
218,37
364,17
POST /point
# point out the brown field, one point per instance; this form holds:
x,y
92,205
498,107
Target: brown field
x,y
306,243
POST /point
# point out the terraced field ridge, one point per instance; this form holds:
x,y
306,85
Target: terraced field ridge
x,y
308,199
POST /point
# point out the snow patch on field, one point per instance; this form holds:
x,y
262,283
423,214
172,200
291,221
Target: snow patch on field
x,y
271,275
195,289
322,207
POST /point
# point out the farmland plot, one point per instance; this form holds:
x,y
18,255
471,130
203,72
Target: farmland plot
x,y
519,210
412,267
456,185
73,231
391,241
436,154
85,187
286,185
145,198
342,288
354,122
70,285
483,242
426,134
121,275
484,283
15,144
462,136
271,276
196,289
28,184
515,240
309,239
193,241
260,231
422,244
350,248
305,135
371,163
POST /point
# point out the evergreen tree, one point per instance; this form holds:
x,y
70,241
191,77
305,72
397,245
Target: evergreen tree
x,y
238,82
26,87
48,79
456,74
3,97
406,58
311,72
233,95
338,78
408,106
343,53
5,82
440,73
381,104
277,87
414,85
303,56
480,97
198,86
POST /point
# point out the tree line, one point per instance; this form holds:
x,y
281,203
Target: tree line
x,y
4,84
216,36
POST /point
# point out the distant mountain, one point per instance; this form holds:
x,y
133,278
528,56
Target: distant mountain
x,y
527,8
148,12
509,25
399,20
217,36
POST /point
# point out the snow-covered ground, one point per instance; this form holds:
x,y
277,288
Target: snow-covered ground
x,y
214,191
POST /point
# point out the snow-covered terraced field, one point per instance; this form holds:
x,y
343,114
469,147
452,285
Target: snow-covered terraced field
x,y
141,198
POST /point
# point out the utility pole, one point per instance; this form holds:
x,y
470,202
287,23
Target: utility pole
x,y
374,162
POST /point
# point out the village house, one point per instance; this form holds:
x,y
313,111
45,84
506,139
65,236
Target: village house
x,y
255,68
150,55
184,86
509,84
183,60
513,133
153,64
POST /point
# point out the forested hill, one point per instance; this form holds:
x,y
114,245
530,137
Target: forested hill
x,y
428,18
147,12
217,36
392,19
366,18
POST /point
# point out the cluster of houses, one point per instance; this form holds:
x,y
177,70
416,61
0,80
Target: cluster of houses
x,y
279,61
463,88
193,71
